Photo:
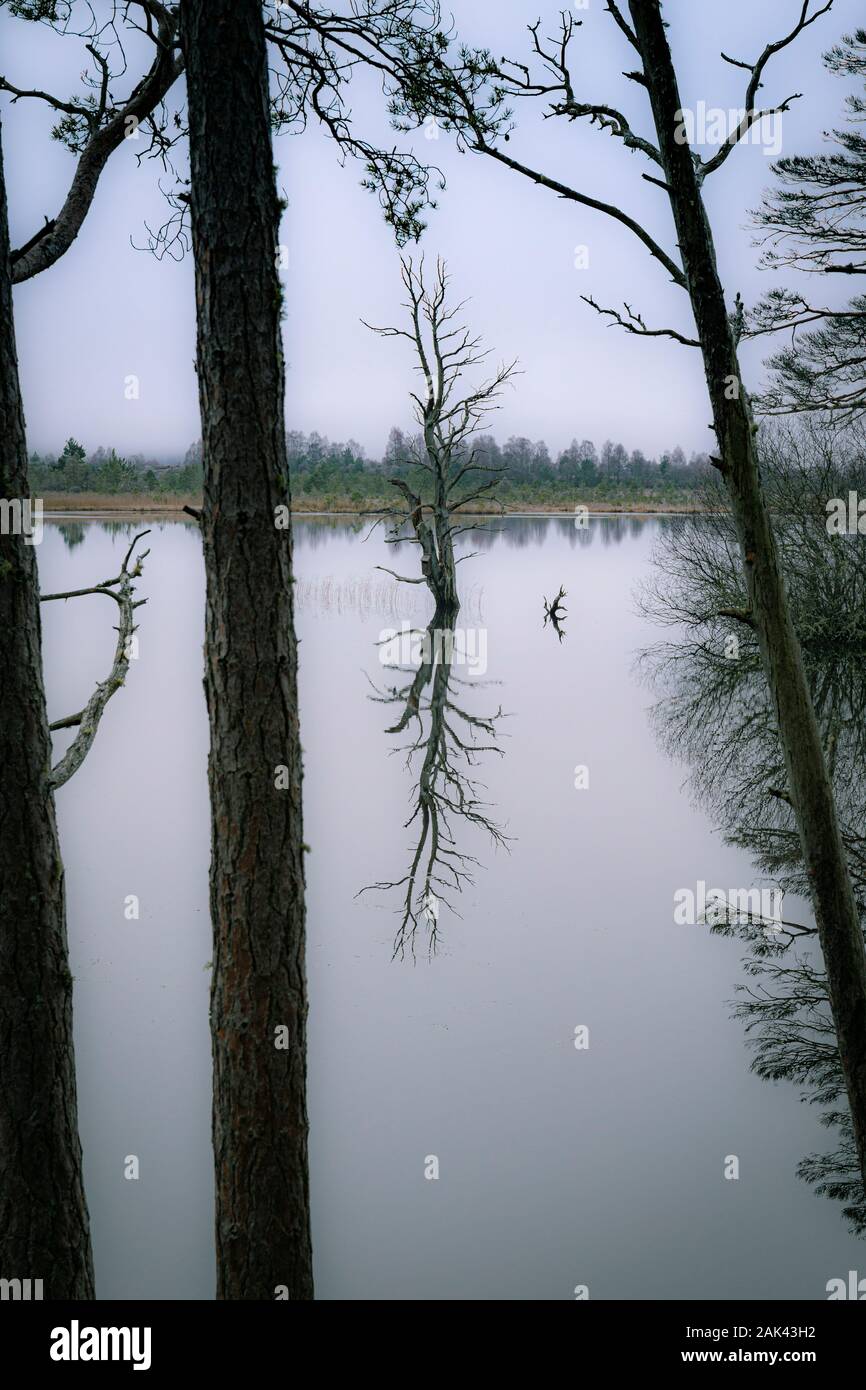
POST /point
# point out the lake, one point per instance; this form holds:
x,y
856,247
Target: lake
x,y
565,1055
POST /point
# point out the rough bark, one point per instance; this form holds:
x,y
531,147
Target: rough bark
x,y
257,877
438,563
445,591
44,1225
809,783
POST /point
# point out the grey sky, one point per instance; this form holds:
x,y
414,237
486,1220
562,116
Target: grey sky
x,y
107,311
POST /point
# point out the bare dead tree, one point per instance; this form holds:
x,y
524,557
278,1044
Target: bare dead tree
x,y
470,93
121,589
92,125
449,418
447,737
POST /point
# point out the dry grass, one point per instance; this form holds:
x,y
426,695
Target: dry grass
x,y
117,502
144,502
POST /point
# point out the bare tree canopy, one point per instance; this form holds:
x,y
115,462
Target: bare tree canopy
x,y
450,418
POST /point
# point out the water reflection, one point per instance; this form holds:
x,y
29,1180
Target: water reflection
x,y
715,713
513,532
446,743
472,1060
72,533
555,613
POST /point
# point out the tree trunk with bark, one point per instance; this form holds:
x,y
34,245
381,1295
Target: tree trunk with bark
x,y
447,597
258,1000
809,784
44,1225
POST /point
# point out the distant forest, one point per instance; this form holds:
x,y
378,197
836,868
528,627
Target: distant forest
x,y
333,472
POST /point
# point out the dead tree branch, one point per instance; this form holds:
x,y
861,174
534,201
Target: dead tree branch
x,y
756,71
632,322
122,590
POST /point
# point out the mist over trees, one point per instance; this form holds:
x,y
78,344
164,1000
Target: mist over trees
x,y
73,470
528,470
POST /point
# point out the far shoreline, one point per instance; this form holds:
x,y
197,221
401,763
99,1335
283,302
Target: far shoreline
x,y
97,504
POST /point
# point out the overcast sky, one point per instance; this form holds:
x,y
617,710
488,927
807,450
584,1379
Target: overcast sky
x,y
106,310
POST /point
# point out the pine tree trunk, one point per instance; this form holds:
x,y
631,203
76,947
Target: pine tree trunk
x,y
257,876
809,783
44,1225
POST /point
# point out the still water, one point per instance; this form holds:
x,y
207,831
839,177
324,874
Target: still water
x,y
602,1165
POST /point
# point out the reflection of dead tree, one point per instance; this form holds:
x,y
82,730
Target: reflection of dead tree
x,y
555,613
445,352
122,590
448,739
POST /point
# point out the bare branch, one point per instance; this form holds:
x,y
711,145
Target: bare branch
x,y
633,323
613,8
751,114
122,590
401,577
609,209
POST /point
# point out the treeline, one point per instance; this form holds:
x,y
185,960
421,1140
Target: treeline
x,y
527,471
105,471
